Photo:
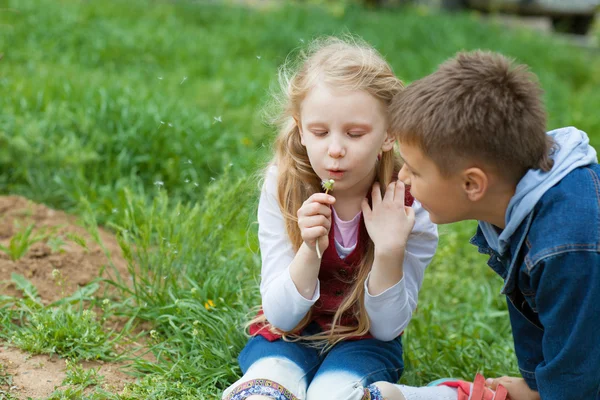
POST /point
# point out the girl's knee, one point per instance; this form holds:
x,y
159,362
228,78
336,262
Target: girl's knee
x,y
339,386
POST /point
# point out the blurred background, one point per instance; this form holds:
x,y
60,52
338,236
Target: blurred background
x,y
146,118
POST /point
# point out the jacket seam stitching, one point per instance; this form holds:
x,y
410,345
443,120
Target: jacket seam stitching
x,y
563,250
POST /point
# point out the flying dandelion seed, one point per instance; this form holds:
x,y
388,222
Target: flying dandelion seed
x,y
258,57
218,119
160,78
187,181
114,210
301,40
189,161
170,125
195,184
183,80
159,183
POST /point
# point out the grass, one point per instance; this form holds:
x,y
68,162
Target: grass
x,y
146,117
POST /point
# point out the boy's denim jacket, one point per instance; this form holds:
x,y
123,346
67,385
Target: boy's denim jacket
x,y
552,284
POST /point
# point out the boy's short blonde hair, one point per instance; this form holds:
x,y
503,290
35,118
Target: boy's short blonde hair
x,y
477,107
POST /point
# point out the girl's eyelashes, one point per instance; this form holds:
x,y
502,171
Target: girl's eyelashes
x,y
350,134
356,134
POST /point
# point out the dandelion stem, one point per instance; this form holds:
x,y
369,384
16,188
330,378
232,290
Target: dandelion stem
x,y
327,185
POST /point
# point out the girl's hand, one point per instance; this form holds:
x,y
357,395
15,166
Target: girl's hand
x,y
389,222
314,220
517,388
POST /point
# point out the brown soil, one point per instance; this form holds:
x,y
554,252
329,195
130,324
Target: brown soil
x,y
78,266
37,376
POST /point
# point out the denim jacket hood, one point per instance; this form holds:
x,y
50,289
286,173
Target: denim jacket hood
x,y
573,151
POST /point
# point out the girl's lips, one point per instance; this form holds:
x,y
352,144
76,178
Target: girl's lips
x,y
335,174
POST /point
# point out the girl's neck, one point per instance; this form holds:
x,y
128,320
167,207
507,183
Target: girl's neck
x,y
347,208
349,202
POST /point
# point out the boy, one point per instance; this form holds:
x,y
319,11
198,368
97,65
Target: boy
x,y
473,138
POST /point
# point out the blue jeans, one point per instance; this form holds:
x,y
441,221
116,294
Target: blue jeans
x,y
341,373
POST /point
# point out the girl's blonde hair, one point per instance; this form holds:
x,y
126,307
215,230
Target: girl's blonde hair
x,y
346,64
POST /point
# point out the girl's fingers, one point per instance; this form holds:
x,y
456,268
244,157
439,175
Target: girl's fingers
x,y
314,220
312,234
376,194
322,198
390,194
314,208
399,192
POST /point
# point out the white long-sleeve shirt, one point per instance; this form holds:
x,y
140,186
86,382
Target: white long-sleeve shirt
x,y
389,312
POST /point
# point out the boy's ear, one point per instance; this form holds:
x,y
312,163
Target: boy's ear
x,y
299,126
388,143
475,183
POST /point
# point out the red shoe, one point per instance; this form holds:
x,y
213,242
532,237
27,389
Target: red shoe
x,y
476,390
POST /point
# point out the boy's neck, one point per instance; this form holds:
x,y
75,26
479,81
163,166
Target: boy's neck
x,y
494,206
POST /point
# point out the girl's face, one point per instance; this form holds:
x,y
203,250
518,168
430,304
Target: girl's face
x,y
344,132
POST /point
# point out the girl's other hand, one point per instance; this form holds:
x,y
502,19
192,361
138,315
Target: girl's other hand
x,y
388,222
314,220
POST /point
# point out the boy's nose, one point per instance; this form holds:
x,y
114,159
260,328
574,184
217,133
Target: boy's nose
x,y
403,176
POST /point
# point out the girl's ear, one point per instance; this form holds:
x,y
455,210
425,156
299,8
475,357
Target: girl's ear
x,y
299,126
388,143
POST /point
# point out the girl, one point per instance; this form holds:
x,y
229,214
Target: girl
x,y
331,326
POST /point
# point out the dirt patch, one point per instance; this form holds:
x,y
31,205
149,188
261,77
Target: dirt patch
x,y
38,376
60,251
69,248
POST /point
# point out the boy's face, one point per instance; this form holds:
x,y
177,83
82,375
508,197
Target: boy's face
x,y
443,197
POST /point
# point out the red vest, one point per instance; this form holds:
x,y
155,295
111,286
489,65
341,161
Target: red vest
x,y
336,277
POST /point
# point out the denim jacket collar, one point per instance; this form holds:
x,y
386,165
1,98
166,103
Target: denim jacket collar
x,y
506,265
